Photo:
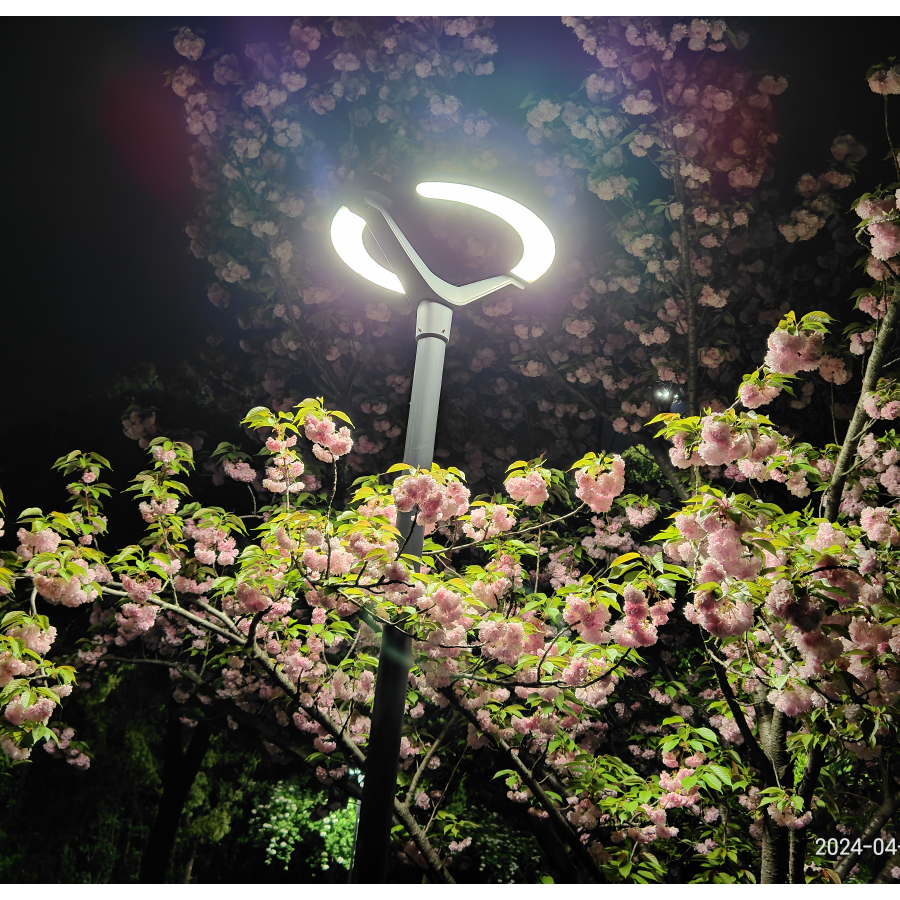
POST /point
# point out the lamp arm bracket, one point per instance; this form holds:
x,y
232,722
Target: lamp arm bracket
x,y
450,293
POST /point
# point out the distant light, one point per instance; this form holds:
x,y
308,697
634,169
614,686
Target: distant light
x,y
540,248
347,236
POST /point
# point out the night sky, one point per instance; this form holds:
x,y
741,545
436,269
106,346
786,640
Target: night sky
x,y
101,277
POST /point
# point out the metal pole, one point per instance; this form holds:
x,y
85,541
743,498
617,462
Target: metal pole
x,y
373,831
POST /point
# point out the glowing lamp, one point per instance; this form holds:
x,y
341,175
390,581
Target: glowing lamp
x,y
539,248
347,236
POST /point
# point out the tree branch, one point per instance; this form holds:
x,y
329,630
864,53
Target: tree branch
x,y
662,459
420,769
877,821
436,866
860,417
345,785
884,876
579,850
220,616
265,662
403,814
758,756
349,747
179,610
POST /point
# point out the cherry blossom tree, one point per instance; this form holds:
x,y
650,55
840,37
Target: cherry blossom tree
x,y
723,688
607,340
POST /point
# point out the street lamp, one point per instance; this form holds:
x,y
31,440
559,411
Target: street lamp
x,y
434,299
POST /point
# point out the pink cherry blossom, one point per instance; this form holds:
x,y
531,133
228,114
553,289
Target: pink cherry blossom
x,y
885,240
791,353
530,489
754,395
886,81
589,620
188,44
239,471
598,491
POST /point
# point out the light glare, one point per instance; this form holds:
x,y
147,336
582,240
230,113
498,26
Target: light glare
x,y
540,248
347,236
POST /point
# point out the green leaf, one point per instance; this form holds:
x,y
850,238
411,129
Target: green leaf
x,y
625,557
711,780
518,464
721,773
342,416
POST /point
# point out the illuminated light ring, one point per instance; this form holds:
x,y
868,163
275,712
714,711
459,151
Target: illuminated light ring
x,y
539,246
347,236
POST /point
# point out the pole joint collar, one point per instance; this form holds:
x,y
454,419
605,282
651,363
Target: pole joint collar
x,y
433,319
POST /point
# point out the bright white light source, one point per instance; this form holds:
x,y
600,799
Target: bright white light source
x,y
540,248
347,236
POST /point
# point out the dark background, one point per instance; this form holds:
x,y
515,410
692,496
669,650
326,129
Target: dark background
x,y
100,280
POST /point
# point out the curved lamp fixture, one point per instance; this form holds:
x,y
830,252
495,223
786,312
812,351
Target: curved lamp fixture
x,y
347,236
539,247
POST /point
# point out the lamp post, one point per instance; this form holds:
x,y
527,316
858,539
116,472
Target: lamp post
x,y
434,301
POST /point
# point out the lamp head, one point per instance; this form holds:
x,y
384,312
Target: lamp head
x,y
537,240
347,236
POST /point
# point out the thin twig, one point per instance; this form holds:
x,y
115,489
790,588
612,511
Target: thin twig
x,y
511,534
187,672
420,769
446,791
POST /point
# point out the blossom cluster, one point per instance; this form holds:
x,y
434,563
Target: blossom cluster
x,y
32,688
434,499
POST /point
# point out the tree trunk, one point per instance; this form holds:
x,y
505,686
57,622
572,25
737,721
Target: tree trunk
x,y
775,853
179,771
799,839
657,449
190,863
772,725
690,307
